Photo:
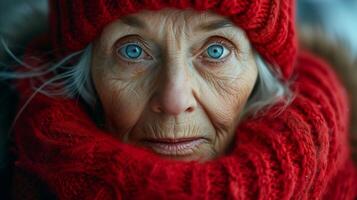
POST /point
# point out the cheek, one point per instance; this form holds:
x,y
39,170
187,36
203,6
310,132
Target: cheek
x,y
122,101
224,98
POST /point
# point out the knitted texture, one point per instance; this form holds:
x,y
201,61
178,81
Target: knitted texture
x,y
269,24
300,152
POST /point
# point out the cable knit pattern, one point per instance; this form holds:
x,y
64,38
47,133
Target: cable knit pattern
x,y
269,24
298,153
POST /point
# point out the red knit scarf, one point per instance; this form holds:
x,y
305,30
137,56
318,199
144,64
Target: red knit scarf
x,y
299,153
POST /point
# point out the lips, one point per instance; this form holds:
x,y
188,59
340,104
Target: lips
x,y
174,147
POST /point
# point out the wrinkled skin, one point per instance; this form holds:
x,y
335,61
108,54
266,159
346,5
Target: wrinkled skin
x,y
174,91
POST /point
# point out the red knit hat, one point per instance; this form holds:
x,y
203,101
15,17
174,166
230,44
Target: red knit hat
x,y
269,24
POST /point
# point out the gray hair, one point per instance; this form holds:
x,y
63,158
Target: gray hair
x,y
269,88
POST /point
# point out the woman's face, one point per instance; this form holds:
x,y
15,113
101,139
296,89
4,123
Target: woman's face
x,y
174,81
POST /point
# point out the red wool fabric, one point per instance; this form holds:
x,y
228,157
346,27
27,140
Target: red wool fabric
x,y
269,24
301,152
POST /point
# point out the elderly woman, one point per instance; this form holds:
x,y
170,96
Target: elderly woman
x,y
179,100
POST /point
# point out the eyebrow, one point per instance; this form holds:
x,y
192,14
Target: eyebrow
x,y
133,21
210,26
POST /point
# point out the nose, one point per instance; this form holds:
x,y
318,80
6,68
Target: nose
x,y
174,94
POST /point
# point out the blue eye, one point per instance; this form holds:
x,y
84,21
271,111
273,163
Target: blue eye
x,y
215,51
131,51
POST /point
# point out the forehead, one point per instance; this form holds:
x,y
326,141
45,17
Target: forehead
x,y
188,20
189,15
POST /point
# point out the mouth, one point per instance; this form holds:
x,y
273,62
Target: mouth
x,y
174,147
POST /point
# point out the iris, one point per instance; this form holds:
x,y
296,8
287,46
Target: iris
x,y
131,51
215,51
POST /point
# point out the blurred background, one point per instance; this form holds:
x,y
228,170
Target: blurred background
x,y
20,20
337,18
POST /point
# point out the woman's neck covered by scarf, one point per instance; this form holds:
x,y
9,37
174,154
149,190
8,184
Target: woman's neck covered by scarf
x,y
297,152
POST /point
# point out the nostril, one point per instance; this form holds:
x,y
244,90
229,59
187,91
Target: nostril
x,y
157,109
189,109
